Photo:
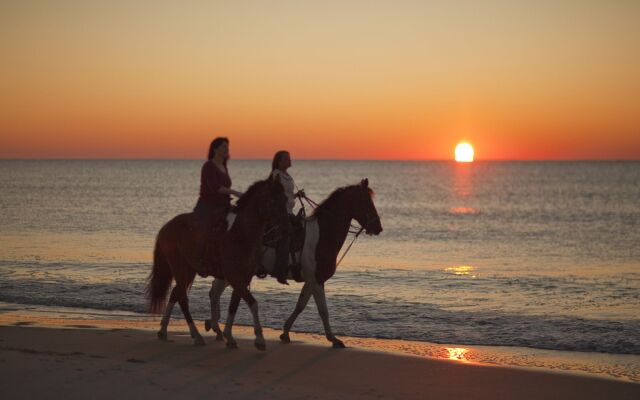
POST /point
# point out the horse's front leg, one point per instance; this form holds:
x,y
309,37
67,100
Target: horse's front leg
x,y
217,288
183,301
303,299
321,302
164,323
260,343
233,308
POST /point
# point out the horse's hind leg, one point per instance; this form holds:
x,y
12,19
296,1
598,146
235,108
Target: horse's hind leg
x,y
217,288
303,299
257,328
183,300
233,308
164,323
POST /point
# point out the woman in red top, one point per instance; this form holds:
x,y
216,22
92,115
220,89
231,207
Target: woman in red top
x,y
215,191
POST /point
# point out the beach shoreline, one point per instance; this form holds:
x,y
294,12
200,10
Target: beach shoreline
x,y
69,343
622,367
79,361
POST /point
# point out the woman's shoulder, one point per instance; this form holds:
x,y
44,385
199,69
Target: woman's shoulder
x,y
207,164
282,175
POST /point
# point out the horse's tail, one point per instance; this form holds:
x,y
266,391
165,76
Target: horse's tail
x,y
159,280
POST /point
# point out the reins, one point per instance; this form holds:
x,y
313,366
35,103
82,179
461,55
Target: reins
x,y
355,230
350,244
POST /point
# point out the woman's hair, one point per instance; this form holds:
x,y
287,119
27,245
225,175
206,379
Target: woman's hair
x,y
217,142
276,159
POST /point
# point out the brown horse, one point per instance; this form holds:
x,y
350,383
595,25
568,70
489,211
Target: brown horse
x,y
240,251
326,232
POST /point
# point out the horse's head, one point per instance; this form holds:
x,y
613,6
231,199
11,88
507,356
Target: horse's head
x,y
364,211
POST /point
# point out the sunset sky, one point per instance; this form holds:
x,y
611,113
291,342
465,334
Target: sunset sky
x,y
323,79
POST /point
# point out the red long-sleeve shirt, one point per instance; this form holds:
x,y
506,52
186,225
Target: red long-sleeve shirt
x,y
211,179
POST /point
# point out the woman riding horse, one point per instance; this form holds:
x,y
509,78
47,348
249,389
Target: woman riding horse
x,y
214,201
279,166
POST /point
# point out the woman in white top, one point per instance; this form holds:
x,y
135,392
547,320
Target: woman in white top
x,y
282,162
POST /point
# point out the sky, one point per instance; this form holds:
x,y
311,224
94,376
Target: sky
x,y
519,80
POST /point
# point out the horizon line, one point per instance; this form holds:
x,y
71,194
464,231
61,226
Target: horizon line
x,y
330,159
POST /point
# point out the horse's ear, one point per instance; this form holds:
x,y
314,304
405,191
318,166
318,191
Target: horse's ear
x,y
365,182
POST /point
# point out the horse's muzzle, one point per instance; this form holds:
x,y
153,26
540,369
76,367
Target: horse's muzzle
x,y
374,227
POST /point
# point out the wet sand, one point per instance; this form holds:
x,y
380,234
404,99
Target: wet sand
x,y
92,359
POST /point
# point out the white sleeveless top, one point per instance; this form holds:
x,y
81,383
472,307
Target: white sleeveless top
x,y
289,187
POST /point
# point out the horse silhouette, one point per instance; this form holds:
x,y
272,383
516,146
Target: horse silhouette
x,y
239,251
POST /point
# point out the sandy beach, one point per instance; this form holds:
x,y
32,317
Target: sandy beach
x,y
57,359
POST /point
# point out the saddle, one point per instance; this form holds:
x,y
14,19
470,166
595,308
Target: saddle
x,y
272,236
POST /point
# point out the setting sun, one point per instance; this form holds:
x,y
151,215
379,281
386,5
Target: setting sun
x,y
464,152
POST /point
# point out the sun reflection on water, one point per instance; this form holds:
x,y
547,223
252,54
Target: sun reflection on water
x,y
463,210
466,270
457,353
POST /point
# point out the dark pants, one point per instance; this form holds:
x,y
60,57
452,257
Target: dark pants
x,y
282,253
210,217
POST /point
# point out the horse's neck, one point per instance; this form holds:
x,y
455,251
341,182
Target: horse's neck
x,y
336,225
249,225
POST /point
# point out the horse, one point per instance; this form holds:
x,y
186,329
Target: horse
x,y
326,231
239,255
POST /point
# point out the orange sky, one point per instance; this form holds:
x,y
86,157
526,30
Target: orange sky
x,y
331,79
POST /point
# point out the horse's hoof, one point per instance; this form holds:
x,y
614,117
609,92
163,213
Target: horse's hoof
x,y
162,335
284,338
219,337
232,345
261,346
337,344
199,341
207,325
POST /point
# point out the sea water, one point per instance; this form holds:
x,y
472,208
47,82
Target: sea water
x,y
542,255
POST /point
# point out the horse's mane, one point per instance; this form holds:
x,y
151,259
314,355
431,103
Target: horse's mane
x,y
256,187
242,202
329,201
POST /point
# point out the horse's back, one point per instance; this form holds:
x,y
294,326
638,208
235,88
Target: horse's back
x,y
181,226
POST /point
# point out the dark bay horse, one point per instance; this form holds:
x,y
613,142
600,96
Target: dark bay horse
x,y
240,252
326,231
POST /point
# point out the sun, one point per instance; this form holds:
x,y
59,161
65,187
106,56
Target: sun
x,y
464,152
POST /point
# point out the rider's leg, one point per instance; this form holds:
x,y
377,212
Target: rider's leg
x,y
204,222
282,259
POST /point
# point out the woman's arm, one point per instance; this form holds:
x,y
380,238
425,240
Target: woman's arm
x,y
226,190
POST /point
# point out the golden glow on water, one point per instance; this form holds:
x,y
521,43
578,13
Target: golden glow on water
x,y
457,353
461,270
463,210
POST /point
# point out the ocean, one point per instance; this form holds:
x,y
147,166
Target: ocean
x,y
542,255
